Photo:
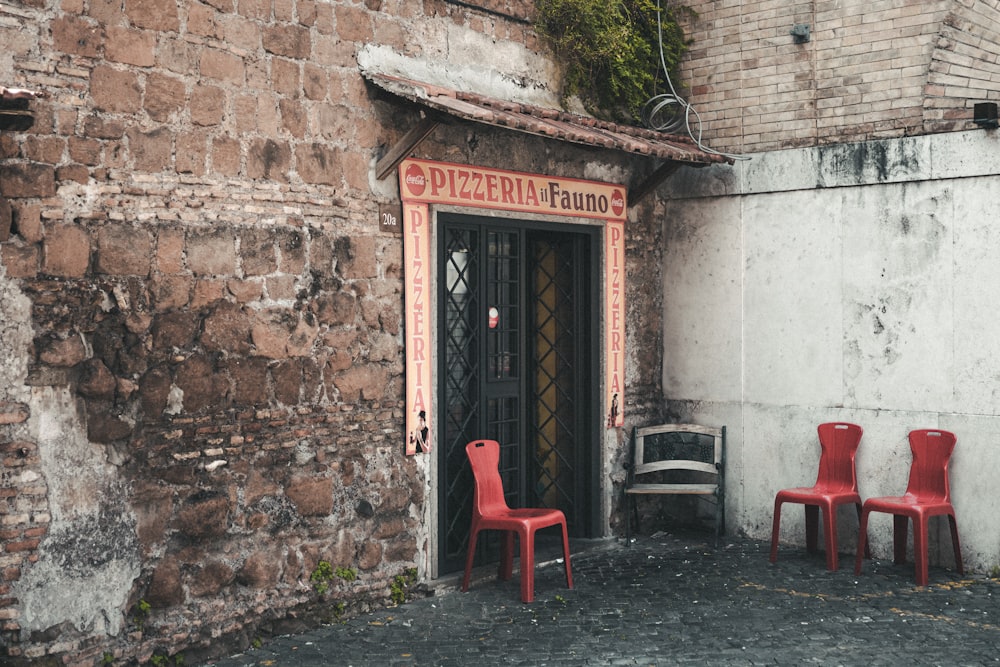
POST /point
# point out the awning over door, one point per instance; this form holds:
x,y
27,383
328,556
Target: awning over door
x,y
536,119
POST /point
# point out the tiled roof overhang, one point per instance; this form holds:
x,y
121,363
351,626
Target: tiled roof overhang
x,y
541,121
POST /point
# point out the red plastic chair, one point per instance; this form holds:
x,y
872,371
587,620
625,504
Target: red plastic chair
x,y
490,512
927,494
836,484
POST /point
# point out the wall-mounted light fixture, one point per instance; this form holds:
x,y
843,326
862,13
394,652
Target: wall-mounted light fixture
x,y
800,31
984,114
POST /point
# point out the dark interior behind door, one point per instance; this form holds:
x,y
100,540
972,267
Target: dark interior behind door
x,y
526,377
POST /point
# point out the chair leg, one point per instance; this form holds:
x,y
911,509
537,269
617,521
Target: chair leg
x,y
628,518
569,571
830,537
468,559
506,568
527,539
920,550
718,519
720,514
812,528
862,540
900,524
955,545
868,551
775,526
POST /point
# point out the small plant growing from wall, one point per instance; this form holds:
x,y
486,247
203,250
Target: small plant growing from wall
x,y
321,577
142,609
610,50
400,585
324,574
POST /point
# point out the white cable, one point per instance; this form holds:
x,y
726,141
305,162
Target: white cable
x,y
663,112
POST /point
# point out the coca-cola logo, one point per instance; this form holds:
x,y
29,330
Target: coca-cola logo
x,y
617,202
415,180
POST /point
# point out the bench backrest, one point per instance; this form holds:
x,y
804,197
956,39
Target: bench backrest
x,y
678,447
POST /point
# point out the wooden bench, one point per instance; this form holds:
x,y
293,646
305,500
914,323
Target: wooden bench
x,y
676,459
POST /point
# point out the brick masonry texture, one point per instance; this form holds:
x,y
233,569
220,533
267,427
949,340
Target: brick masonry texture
x,y
870,70
194,230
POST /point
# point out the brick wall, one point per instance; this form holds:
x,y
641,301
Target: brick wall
x,y
870,70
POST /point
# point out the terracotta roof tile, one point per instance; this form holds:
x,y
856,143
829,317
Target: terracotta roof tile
x,y
545,121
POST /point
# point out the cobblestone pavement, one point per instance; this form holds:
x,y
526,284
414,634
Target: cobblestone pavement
x,y
669,600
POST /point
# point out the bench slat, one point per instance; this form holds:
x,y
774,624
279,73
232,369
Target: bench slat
x,y
672,488
678,464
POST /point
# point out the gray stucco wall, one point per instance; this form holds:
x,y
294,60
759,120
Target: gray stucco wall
x,y
854,282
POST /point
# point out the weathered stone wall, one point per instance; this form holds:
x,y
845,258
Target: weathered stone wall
x,y
201,385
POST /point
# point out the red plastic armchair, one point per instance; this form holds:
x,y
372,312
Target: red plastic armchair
x,y
927,494
490,512
836,484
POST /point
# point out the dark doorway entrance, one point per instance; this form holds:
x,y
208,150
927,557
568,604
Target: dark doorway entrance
x,y
517,336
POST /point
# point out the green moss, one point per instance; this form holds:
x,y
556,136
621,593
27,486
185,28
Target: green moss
x,y
321,577
400,585
610,51
142,609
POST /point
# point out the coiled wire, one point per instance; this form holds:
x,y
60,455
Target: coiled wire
x,y
669,112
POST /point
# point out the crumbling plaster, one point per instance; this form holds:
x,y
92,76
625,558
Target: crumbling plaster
x,y
15,338
89,557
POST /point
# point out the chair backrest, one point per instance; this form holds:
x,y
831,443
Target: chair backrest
x,y
839,442
931,450
679,447
484,457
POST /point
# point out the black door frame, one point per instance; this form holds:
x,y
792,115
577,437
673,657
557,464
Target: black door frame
x,y
587,484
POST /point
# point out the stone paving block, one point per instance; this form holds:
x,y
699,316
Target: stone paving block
x,y
670,600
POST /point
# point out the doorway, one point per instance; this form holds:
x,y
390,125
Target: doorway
x,y
518,333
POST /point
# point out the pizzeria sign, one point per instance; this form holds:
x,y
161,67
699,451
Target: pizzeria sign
x,y
424,183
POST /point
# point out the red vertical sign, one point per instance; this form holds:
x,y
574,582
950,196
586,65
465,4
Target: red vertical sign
x,y
614,322
416,259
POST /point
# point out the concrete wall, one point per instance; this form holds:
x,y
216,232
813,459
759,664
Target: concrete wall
x,y
852,282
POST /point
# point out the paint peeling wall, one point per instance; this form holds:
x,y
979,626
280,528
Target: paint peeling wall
x,y
853,282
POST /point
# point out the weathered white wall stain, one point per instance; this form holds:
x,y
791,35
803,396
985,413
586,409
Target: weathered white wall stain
x,y
15,338
89,558
856,283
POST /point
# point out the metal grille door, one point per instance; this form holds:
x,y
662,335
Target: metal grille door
x,y
560,367
516,340
460,335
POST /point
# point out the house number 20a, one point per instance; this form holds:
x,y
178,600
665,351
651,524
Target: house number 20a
x,y
388,217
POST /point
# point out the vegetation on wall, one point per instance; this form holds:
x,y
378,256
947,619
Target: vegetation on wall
x,y
610,51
